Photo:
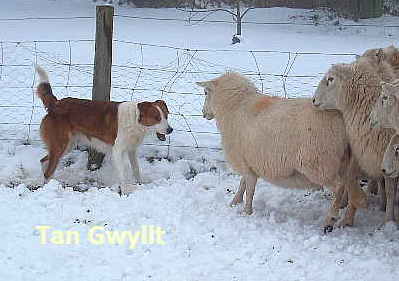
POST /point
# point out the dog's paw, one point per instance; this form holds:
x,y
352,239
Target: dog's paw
x,y
143,181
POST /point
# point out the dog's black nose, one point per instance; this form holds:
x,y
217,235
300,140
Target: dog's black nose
x,y
169,130
314,101
383,171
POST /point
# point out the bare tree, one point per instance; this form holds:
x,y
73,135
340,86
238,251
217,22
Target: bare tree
x,y
235,12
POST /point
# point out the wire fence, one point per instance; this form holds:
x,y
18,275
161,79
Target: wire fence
x,y
147,72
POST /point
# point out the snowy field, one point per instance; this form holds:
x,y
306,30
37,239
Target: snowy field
x,y
190,184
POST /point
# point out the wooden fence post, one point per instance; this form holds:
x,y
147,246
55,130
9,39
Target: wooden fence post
x,y
102,68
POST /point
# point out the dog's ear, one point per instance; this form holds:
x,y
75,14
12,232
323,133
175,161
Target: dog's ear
x,y
141,108
162,105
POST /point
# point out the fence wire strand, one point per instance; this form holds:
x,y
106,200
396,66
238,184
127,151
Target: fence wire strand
x,y
152,71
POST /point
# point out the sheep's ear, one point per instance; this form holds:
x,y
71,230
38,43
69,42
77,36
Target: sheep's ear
x,y
380,55
395,59
204,84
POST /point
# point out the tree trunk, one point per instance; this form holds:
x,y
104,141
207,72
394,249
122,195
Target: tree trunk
x,y
102,69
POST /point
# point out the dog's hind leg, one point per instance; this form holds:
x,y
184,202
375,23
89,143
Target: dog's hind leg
x,y
54,156
240,193
57,135
44,163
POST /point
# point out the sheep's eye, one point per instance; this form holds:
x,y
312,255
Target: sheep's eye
x,y
384,99
206,92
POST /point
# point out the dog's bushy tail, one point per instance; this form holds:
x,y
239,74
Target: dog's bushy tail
x,y
44,90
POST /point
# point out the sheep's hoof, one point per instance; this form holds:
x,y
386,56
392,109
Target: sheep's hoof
x,y
235,202
390,227
248,211
345,223
328,228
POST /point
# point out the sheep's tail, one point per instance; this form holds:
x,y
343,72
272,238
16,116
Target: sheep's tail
x,y
44,91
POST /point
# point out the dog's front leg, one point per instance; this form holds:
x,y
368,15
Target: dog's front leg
x,y
117,158
134,162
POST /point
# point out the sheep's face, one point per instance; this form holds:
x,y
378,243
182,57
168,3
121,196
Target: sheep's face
x,y
390,162
207,110
385,113
325,97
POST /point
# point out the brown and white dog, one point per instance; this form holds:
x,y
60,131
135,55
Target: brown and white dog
x,y
118,127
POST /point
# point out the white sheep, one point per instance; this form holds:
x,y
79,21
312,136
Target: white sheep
x,y
284,141
385,113
377,56
390,162
353,89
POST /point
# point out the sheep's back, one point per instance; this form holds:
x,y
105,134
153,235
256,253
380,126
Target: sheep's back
x,y
291,135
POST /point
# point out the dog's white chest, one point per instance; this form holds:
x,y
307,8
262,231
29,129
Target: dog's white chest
x,y
130,134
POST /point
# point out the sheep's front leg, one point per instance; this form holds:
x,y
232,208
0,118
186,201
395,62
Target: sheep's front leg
x,y
240,193
382,195
250,183
390,189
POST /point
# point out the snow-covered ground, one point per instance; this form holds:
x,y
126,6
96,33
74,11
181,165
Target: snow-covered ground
x,y
189,188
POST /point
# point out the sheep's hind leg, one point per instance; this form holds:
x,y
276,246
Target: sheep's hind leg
x,y
238,198
349,216
250,181
333,212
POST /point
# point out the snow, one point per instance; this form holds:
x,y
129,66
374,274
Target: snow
x,y
190,188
